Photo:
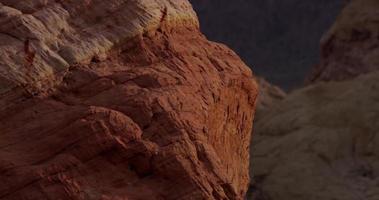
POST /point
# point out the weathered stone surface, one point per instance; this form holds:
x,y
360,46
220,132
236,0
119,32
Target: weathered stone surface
x,y
320,142
351,47
119,99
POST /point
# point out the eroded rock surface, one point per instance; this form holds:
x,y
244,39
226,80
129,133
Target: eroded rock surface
x,y
119,100
351,47
320,142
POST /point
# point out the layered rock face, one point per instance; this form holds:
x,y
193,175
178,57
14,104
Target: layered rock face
x,y
320,142
119,100
351,47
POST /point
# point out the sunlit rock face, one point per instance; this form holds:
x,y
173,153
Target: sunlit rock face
x,y
351,47
119,99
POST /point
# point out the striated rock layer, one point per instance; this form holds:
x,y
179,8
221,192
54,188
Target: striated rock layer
x,y
351,47
119,99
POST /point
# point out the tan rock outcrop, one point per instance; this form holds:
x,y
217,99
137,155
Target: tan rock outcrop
x,y
119,99
320,142
351,47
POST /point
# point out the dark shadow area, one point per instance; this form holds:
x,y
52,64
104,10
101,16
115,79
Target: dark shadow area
x,y
279,39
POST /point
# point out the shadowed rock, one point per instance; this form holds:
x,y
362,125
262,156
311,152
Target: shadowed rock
x,y
320,142
351,47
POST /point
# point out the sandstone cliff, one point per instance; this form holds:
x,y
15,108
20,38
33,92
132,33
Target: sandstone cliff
x,y
119,99
351,47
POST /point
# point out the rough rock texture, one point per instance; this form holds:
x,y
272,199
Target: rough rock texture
x,y
119,99
279,39
351,47
320,142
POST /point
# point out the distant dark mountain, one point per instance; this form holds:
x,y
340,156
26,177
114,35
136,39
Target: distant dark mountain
x,y
279,39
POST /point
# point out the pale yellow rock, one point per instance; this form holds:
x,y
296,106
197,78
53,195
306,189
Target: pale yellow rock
x,y
61,35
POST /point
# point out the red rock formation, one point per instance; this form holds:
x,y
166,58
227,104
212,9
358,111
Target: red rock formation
x,y
351,47
123,100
